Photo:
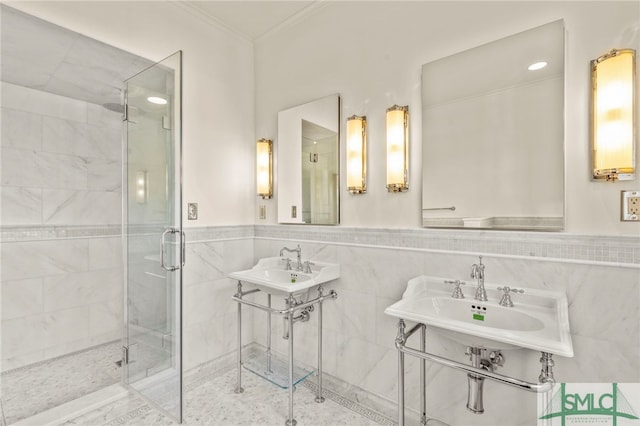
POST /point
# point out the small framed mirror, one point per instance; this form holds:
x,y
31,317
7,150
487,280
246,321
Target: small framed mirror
x,y
308,169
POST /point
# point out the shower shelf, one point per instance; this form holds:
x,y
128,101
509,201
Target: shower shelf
x,y
258,363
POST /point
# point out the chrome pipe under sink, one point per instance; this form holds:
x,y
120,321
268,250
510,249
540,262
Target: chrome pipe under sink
x,y
475,383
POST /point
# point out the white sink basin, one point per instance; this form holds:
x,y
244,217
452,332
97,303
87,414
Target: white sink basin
x,y
269,275
539,320
278,276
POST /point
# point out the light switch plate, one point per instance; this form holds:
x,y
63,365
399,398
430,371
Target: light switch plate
x,y
263,211
192,211
630,206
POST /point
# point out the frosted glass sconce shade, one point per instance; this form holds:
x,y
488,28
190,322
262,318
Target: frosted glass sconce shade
x,y
264,168
357,154
613,115
397,148
141,187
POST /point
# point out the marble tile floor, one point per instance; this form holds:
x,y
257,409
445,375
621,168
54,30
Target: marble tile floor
x,y
208,397
210,400
35,388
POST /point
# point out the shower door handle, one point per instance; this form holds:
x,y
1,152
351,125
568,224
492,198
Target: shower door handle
x,y
162,244
184,252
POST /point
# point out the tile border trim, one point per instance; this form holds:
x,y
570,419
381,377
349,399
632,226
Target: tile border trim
x,y
611,250
10,234
605,250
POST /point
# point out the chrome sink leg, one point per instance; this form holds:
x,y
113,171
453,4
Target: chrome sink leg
x,y
290,421
319,397
269,370
238,388
423,376
546,374
400,339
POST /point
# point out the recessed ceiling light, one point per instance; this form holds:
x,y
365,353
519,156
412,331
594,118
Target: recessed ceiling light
x,y
156,100
537,66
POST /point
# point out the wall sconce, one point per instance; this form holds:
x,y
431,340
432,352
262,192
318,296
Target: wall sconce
x,y
397,148
141,187
613,116
264,168
357,154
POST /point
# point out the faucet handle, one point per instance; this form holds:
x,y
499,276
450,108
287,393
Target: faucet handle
x,y
287,266
457,291
307,267
505,300
507,290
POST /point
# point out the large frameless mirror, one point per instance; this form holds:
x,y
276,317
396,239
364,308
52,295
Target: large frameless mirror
x,y
308,165
493,134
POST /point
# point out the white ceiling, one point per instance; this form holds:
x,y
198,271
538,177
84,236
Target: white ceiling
x,y
250,19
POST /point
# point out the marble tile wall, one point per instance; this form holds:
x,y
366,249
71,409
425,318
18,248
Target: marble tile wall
x,y
209,314
60,184
359,348
59,296
604,309
61,160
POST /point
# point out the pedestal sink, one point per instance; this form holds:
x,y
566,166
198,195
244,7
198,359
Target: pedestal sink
x,y
533,319
539,320
280,276
269,275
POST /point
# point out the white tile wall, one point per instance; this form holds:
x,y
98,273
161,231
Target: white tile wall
x,y
209,314
22,205
28,334
21,298
358,337
43,258
604,309
61,160
61,169
21,129
61,207
59,296
43,103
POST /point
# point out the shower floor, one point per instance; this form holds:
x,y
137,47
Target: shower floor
x,y
35,388
208,397
210,400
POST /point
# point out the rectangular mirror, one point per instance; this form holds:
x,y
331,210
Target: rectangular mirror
x,y
493,134
308,163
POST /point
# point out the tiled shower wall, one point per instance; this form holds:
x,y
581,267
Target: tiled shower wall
x,y
61,214
600,275
61,160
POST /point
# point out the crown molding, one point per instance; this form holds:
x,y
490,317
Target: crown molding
x,y
193,9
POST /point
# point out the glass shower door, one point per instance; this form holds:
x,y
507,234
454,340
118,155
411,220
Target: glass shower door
x,y
154,241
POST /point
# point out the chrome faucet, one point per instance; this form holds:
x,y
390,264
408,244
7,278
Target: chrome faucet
x,y
477,272
505,300
298,252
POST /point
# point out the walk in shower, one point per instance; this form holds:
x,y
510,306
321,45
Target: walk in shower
x,y
74,297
